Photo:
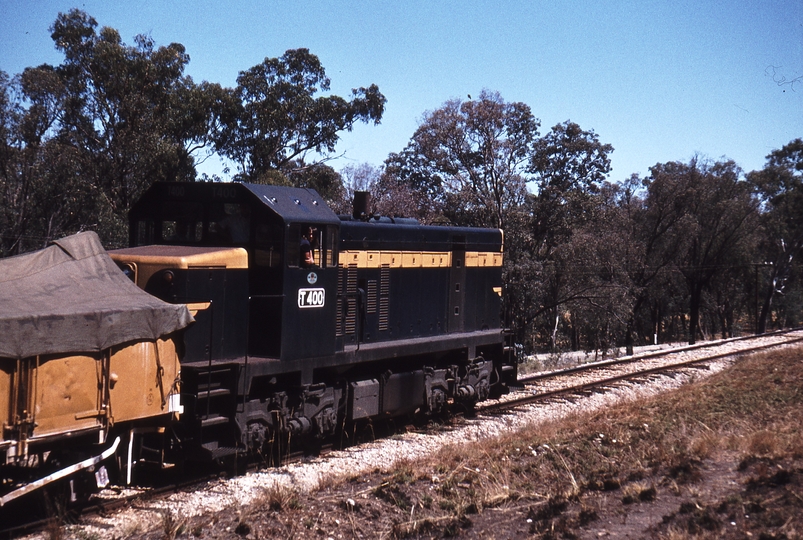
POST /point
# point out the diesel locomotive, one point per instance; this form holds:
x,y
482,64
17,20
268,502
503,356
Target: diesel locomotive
x,y
307,325
307,322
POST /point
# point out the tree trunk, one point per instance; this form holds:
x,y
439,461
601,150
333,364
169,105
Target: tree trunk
x,y
629,339
555,331
631,323
765,310
694,313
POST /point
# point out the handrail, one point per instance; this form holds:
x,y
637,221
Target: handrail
x,y
58,475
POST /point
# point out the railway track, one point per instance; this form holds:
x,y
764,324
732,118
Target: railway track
x,y
596,376
565,384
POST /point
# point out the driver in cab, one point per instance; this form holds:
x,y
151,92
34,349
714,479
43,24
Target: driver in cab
x,y
306,249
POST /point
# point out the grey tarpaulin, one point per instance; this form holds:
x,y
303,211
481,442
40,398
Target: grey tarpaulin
x,y
71,297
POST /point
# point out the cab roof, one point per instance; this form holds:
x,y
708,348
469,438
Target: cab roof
x,y
291,204
294,204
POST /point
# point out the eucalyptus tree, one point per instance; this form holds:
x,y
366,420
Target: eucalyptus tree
x,y
567,168
275,118
471,155
595,263
714,216
653,235
41,197
411,186
322,178
89,135
476,163
13,188
779,186
126,117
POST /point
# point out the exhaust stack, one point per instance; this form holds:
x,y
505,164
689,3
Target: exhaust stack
x,y
361,205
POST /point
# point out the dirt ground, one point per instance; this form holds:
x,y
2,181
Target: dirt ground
x,y
717,498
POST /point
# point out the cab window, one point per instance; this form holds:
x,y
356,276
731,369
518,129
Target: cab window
x,y
181,232
230,223
144,232
331,246
182,223
268,242
311,246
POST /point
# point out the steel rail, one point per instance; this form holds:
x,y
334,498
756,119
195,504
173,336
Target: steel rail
x,y
649,355
504,406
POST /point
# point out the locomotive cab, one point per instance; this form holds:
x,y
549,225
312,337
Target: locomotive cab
x,y
294,277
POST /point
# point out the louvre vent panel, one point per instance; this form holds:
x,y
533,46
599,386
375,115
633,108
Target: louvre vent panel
x,y
340,283
351,316
351,302
384,298
346,291
371,307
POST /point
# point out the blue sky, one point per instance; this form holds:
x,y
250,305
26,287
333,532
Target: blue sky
x,y
659,80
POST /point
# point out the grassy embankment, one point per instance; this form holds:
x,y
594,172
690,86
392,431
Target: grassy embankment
x,y
719,458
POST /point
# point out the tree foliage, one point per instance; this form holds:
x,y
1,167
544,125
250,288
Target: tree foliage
x,y
87,137
713,213
694,249
779,187
128,107
276,119
82,140
594,264
568,166
472,162
474,155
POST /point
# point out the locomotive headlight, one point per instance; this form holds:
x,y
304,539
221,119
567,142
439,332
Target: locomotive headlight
x,y
168,277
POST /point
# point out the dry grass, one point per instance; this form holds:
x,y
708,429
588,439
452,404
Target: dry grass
x,y
763,443
274,499
632,449
674,533
277,498
666,442
638,491
172,525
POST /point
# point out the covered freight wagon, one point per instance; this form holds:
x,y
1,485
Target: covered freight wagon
x,y
85,358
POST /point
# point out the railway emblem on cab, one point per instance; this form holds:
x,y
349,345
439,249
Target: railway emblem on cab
x,y
311,298
312,278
